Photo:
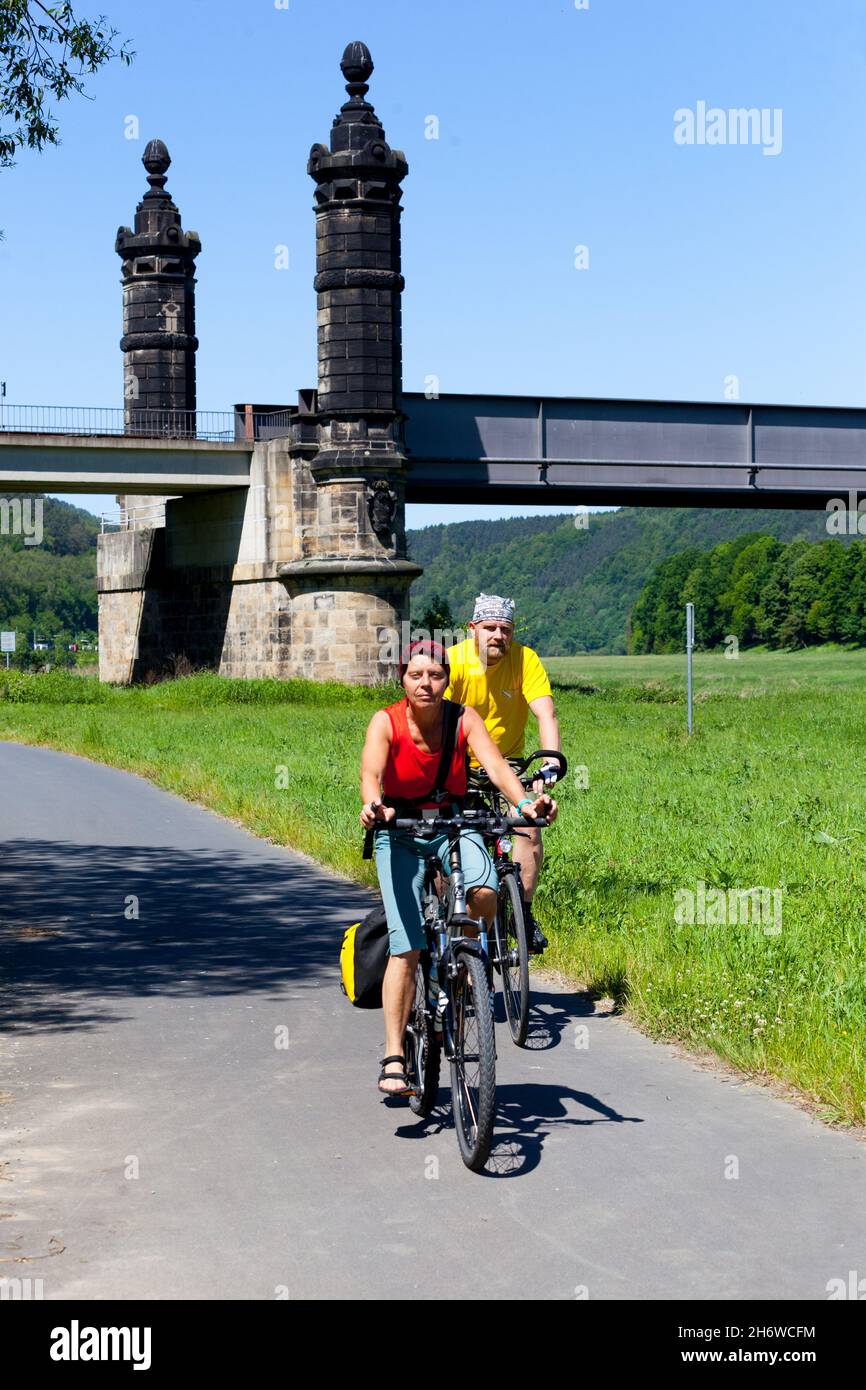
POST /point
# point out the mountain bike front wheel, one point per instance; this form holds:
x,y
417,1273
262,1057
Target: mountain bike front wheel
x,y
473,1065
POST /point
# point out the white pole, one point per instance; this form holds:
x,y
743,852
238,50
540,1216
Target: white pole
x,y
690,642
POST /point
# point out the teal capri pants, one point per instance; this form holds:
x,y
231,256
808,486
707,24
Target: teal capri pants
x,y
400,861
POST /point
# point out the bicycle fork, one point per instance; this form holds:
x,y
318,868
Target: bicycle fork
x,y
449,967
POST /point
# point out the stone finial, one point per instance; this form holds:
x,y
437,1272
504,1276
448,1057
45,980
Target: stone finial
x,y
357,135
156,160
357,65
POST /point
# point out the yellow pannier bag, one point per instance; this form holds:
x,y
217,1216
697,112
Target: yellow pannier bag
x,y
363,959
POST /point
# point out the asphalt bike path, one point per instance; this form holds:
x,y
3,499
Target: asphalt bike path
x,y
188,1105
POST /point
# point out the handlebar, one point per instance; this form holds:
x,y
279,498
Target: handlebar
x,y
480,777
547,753
486,822
491,824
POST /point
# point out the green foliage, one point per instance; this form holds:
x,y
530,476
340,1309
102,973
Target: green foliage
x,y
757,590
437,616
575,588
49,587
45,52
206,689
50,688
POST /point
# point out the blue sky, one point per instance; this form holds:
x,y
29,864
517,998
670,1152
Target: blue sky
x,y
556,129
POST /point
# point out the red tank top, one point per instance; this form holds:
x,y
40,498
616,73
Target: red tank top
x,y
410,772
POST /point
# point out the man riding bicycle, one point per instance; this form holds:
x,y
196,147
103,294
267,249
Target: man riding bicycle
x,y
398,767
503,680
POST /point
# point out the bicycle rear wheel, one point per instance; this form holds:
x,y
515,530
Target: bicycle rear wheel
x,y
513,953
423,1053
473,1065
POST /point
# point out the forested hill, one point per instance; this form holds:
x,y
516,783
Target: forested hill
x,y
50,586
575,588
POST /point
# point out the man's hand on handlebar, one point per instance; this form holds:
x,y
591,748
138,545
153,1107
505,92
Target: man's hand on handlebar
x,y
374,812
546,776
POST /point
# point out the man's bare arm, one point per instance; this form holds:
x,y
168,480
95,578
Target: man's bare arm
x,y
548,724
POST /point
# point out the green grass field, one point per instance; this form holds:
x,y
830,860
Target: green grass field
x,y
752,672
769,792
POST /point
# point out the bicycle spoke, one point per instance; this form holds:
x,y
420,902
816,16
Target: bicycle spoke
x,y
472,1111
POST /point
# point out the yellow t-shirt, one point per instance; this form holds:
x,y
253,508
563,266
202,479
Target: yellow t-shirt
x,y
501,693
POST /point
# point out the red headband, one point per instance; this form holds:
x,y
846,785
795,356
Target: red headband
x,y
434,650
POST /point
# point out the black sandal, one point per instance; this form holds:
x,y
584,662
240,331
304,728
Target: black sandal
x,y
407,1090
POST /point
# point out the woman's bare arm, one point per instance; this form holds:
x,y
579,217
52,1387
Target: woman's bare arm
x,y
374,759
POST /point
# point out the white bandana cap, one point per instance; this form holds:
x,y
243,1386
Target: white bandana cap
x,y
493,608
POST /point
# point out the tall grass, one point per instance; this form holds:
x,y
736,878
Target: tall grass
x,y
191,692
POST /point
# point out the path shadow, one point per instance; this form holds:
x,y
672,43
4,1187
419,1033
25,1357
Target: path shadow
x,y
526,1113
549,1014
552,1014
71,948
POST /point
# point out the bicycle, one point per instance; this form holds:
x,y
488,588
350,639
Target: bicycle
x,y
511,938
455,969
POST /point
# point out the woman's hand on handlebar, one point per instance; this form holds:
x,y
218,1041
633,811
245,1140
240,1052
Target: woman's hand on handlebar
x,y
374,811
543,805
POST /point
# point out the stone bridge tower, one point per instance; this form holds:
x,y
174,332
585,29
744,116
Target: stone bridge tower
x,y
159,342
349,583
303,572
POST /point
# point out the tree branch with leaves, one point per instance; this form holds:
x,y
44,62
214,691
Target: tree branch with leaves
x,y
45,52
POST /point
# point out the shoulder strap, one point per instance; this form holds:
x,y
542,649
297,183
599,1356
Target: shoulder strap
x,y
453,713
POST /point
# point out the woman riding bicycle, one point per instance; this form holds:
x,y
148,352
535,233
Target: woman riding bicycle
x,y
399,763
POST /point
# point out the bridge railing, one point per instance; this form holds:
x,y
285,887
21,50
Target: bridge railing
x,y
213,425
246,423
143,513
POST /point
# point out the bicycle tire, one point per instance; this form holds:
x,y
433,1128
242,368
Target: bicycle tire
x,y
513,952
423,1053
473,1092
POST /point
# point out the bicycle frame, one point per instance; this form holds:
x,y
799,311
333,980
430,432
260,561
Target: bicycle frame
x,y
446,942
464,973
443,921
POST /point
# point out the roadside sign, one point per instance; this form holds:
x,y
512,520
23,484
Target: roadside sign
x,y
7,641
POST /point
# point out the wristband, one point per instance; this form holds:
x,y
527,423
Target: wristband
x,y
524,801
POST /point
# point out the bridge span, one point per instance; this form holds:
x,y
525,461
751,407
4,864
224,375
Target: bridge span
x,y
491,448
39,462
